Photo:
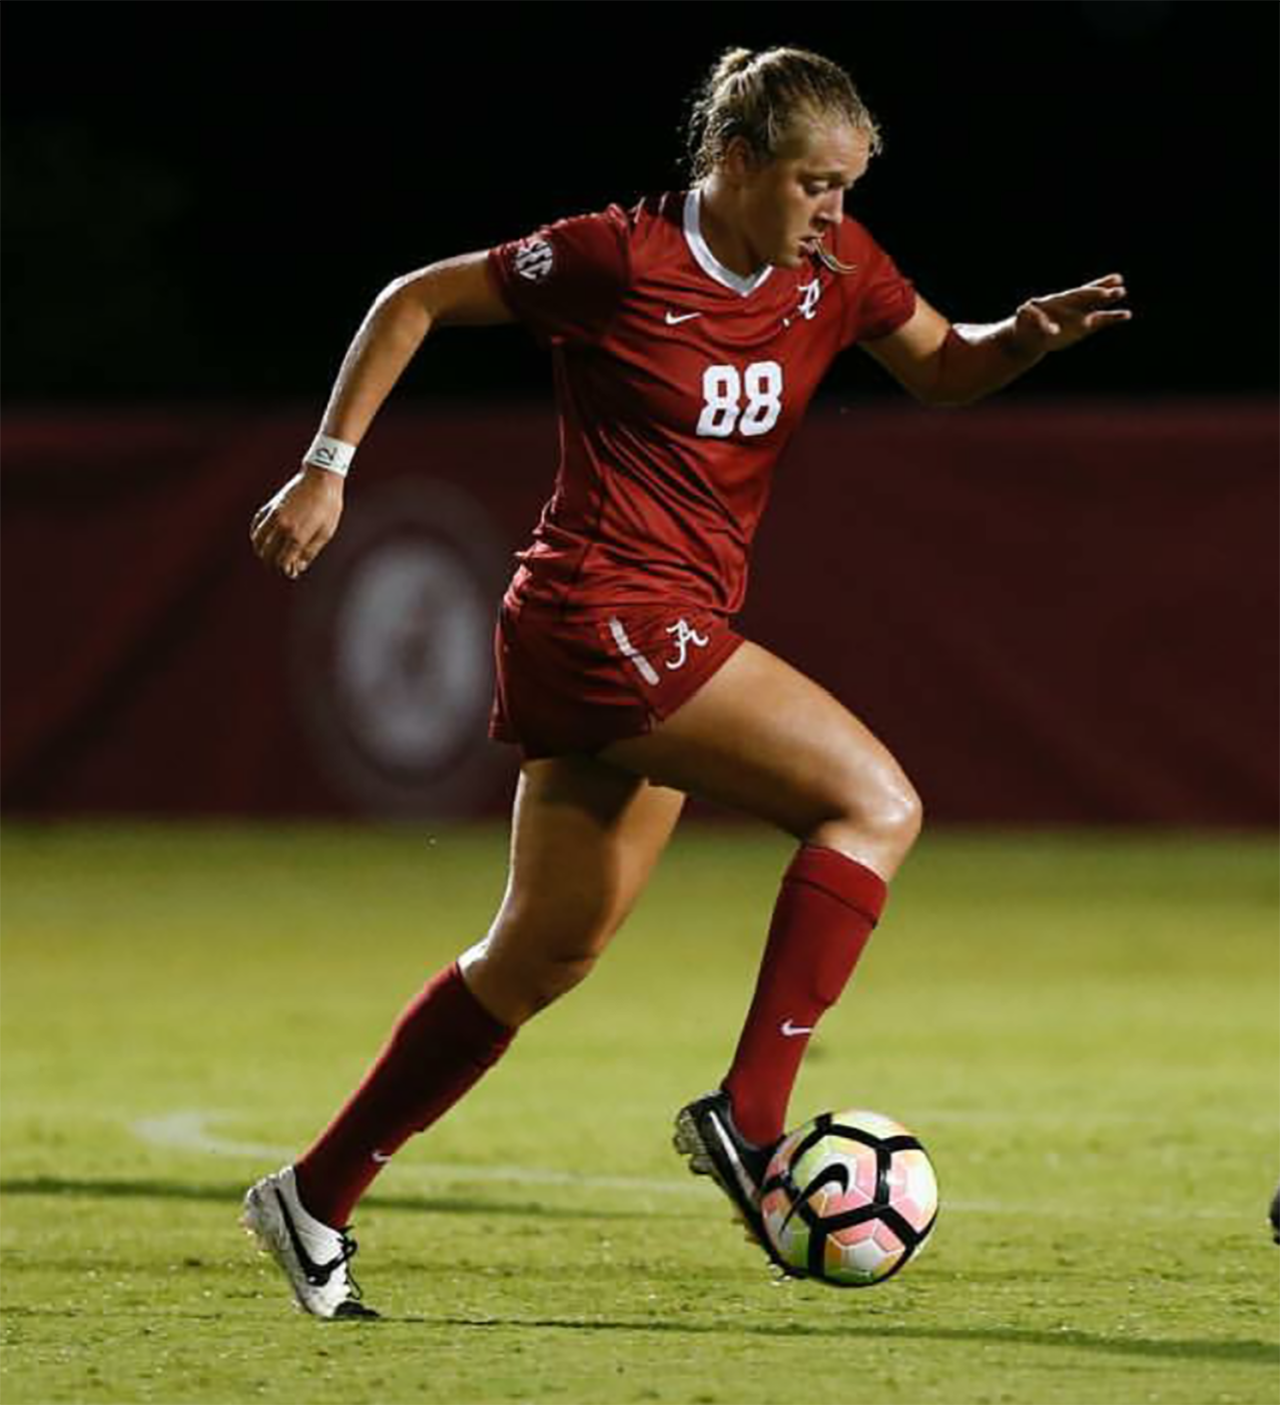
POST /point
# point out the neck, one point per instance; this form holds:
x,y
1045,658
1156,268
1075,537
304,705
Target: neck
x,y
721,227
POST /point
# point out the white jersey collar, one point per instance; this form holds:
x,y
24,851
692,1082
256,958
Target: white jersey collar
x,y
707,261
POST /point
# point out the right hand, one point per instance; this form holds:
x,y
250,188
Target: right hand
x,y
290,530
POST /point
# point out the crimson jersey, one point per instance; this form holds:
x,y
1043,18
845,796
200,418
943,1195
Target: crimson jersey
x,y
679,383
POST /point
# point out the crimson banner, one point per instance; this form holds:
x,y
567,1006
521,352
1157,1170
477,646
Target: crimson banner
x,y
1050,614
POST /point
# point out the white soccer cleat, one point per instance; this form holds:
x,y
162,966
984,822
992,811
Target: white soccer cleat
x,y
314,1257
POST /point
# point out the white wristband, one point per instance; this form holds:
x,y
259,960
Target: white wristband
x,y
333,454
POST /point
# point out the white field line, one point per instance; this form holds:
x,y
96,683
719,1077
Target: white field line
x,y
1084,1118
189,1131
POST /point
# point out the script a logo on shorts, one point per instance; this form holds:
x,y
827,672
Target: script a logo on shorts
x,y
535,259
684,636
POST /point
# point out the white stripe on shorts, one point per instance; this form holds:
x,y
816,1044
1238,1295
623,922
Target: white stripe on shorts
x,y
630,652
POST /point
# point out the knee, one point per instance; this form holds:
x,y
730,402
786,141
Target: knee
x,y
555,976
897,813
881,818
514,984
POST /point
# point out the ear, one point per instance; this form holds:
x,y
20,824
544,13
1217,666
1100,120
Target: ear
x,y
739,163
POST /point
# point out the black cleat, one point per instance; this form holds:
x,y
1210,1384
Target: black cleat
x,y
1274,1215
707,1135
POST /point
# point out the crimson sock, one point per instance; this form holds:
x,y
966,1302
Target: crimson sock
x,y
441,1045
824,915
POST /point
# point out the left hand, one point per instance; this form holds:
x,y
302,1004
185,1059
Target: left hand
x,y
1059,320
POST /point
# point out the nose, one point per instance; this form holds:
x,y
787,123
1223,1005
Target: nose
x,y
831,209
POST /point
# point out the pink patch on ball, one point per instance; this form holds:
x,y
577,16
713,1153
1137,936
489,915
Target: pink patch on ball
x,y
917,1216
836,1202
775,1203
853,1234
887,1239
867,1174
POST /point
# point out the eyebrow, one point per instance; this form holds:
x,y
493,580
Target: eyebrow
x,y
835,177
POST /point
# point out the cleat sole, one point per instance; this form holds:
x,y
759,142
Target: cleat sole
x,y
688,1142
353,1311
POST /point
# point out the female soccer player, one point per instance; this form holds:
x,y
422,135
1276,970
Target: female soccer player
x,y
688,336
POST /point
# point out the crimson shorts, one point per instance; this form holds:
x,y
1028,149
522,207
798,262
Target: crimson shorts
x,y
575,684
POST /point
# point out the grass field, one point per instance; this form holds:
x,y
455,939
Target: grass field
x,y
1083,1030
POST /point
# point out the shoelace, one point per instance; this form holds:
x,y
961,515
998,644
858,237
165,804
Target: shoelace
x,y
347,1253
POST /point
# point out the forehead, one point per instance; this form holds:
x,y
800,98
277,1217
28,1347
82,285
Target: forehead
x,y
829,148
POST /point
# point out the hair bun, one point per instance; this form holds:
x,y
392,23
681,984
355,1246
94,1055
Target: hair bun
x,y
761,96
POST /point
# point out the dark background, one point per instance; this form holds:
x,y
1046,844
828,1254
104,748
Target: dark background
x,y
201,200
1059,606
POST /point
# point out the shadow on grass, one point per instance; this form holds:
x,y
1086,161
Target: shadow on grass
x,y
1240,1352
233,1194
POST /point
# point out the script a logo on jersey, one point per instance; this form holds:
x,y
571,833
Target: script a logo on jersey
x,y
534,259
809,295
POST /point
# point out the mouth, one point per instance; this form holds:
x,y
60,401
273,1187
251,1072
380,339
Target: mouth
x,y
810,244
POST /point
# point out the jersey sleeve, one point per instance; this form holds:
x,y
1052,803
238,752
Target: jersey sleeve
x,y
565,281
878,299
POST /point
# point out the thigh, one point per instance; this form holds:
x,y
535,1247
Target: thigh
x,y
761,737
585,836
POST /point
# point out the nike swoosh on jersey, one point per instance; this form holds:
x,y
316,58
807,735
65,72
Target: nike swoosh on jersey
x,y
316,1274
675,318
790,1030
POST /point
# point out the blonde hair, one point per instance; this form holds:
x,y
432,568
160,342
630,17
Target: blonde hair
x,y
760,98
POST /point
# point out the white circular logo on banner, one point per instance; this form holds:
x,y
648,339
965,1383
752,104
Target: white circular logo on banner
x,y
394,656
412,649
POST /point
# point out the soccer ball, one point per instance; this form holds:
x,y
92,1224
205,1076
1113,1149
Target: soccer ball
x,y
849,1199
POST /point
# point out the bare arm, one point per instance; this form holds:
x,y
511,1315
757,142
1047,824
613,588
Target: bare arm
x,y
456,292
942,363
290,530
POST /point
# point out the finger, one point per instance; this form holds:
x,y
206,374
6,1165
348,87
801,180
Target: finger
x,y
266,523
266,513
1084,298
299,562
273,542
260,518
301,554
1100,288
275,545
292,560
266,543
1096,287
261,535
1090,296
1096,320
